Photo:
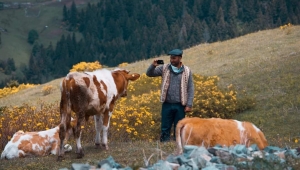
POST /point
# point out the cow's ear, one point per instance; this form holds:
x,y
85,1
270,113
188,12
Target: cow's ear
x,y
133,76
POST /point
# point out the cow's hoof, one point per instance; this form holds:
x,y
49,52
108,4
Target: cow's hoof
x,y
97,145
105,146
60,158
80,155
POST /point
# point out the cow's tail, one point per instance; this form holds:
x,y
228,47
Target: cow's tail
x,y
65,102
65,112
179,139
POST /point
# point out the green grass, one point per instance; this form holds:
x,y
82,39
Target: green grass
x,y
265,64
14,41
124,153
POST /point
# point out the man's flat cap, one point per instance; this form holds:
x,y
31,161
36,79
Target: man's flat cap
x,y
176,52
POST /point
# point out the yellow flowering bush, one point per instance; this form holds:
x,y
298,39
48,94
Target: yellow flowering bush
x,y
86,66
131,121
212,101
135,117
123,64
26,118
12,90
286,28
144,84
47,89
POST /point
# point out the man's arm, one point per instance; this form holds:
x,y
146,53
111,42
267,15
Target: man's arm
x,y
190,91
154,70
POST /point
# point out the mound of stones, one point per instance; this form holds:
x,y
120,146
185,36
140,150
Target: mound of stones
x,y
214,158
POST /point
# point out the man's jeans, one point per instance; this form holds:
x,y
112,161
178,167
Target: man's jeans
x,y
171,113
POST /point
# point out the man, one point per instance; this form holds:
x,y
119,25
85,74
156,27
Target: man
x,y
177,91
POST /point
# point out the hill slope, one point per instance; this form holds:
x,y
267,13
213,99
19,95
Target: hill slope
x,y
265,64
43,16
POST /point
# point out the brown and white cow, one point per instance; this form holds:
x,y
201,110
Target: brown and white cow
x,y
40,143
209,132
91,94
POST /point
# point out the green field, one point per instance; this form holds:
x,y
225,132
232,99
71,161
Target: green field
x,y
44,18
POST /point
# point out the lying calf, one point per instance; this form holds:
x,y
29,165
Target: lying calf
x,y
209,132
39,143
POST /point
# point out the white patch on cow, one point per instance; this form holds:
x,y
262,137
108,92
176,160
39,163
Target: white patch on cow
x,y
24,137
243,135
256,128
98,127
110,113
38,148
120,69
10,151
78,143
106,76
182,137
102,88
240,125
49,133
105,129
68,148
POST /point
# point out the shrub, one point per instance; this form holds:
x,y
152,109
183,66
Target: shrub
x,y
11,90
26,118
213,101
47,89
12,83
286,28
32,36
123,64
136,117
86,66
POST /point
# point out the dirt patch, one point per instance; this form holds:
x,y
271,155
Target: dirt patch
x,y
55,32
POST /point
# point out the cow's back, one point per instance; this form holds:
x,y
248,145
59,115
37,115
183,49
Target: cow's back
x,y
90,92
209,132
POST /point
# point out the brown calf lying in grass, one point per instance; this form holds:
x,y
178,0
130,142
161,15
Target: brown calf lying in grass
x,y
209,132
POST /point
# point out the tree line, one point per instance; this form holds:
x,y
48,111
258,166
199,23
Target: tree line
x,y
126,31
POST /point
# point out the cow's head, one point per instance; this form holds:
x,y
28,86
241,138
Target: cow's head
x,y
122,78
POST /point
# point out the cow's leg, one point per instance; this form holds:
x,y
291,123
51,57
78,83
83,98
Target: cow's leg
x,y
77,135
98,127
54,148
106,120
63,128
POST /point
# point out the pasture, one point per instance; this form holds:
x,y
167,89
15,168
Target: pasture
x,y
265,64
45,17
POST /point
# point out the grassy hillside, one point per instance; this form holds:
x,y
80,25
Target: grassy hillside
x,y
265,64
44,17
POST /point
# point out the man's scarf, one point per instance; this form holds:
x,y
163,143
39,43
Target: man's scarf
x,y
166,83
